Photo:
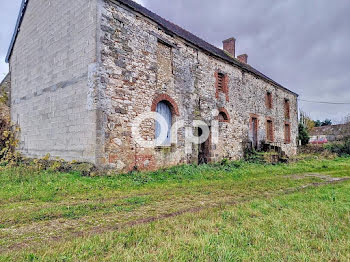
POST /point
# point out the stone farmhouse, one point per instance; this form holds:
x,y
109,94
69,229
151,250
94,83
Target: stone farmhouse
x,y
83,70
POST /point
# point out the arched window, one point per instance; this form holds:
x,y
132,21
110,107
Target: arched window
x,y
167,107
165,111
223,117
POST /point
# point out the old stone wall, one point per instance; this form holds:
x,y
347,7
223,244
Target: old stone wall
x,y
53,70
140,63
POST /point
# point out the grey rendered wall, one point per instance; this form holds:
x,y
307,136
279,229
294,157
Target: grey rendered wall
x,y
52,73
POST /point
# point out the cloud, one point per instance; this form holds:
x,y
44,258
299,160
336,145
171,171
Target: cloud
x,y
141,2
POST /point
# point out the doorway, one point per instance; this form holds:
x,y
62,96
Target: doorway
x,y
204,152
255,132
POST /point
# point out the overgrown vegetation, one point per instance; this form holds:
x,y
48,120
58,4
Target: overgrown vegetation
x,y
8,133
233,210
271,156
8,140
341,148
253,156
3,96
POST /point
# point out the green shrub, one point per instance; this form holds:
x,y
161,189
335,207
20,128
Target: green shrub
x,y
8,133
312,149
303,134
340,148
253,156
8,143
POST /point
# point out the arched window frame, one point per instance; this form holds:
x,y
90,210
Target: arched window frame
x,y
170,103
221,84
225,114
164,97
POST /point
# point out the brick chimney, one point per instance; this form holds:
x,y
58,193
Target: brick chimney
x,y
243,58
230,46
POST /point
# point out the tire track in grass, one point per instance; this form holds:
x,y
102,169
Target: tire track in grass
x,y
327,180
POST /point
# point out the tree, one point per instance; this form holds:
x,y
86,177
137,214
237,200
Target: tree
x,y
327,122
303,134
318,123
309,123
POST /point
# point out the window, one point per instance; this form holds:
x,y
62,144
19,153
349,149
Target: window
x,y
287,133
254,128
269,130
269,100
222,117
286,109
221,82
164,110
221,85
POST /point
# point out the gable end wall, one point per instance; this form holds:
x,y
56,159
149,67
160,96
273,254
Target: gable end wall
x,y
52,67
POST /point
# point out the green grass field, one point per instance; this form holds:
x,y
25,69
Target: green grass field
x,y
232,212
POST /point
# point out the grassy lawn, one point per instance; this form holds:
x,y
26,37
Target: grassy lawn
x,y
233,212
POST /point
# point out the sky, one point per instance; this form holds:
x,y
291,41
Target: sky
x,y
303,45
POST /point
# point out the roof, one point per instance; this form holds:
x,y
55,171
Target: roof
x,y
22,11
331,130
172,29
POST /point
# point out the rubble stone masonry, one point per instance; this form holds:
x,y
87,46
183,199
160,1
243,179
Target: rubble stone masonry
x,y
140,62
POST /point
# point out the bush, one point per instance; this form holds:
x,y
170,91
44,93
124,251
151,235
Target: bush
x,y
303,134
252,156
8,144
312,149
4,126
340,148
8,133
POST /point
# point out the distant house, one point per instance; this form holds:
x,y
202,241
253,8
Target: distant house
x,y
331,133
